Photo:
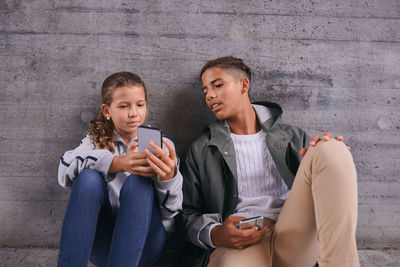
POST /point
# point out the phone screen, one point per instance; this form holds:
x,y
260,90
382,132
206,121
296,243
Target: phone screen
x,y
147,134
250,222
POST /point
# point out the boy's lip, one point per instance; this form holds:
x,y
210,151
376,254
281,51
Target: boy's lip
x,y
214,106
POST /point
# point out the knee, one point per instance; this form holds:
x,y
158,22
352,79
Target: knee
x,y
89,182
333,154
135,185
332,149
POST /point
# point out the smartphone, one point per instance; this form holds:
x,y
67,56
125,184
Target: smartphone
x,y
250,222
147,134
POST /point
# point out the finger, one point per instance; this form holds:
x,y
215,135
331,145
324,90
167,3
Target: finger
x,y
171,149
242,243
159,151
145,169
339,138
314,140
164,166
137,162
250,232
302,152
159,171
348,147
234,219
137,155
327,136
133,146
145,174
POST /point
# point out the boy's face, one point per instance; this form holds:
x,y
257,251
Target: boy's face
x,y
223,92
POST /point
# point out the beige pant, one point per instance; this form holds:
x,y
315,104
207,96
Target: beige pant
x,y
317,222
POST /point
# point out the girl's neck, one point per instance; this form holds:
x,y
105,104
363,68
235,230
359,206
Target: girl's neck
x,y
127,137
245,122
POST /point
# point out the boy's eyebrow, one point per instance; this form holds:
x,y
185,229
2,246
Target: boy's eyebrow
x,y
213,81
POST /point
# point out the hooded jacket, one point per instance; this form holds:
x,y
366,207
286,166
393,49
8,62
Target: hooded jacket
x,y
210,186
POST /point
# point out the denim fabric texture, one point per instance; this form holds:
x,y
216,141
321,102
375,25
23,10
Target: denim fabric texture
x,y
133,237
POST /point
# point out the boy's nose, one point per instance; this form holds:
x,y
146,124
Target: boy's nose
x,y
210,94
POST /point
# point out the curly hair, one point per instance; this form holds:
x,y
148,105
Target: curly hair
x,y
100,129
228,63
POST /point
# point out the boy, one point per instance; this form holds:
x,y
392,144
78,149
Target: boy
x,y
247,164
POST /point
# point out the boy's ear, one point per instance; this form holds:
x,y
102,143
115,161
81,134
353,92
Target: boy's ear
x,y
105,110
245,84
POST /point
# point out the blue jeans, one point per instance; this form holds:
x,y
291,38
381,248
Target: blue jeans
x,y
134,237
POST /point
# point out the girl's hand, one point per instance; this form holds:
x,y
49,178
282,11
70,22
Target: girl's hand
x,y
162,162
132,162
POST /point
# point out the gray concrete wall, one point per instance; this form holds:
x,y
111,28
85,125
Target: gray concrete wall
x,y
332,65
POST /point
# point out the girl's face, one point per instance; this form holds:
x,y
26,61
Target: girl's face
x,y
128,110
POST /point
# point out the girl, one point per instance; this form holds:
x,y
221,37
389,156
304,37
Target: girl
x,y
121,200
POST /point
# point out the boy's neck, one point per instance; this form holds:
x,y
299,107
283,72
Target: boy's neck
x,y
245,122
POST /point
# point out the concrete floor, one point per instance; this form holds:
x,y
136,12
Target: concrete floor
x,y
44,257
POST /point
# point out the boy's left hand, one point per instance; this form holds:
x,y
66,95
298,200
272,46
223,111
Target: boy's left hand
x,y
316,139
162,162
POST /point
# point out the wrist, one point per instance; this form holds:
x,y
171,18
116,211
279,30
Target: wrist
x,y
116,165
214,235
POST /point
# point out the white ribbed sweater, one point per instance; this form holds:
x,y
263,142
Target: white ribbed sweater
x,y
262,190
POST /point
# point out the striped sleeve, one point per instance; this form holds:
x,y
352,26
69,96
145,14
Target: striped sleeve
x,y
85,156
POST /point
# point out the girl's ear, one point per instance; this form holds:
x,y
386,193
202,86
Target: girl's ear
x,y
245,84
105,110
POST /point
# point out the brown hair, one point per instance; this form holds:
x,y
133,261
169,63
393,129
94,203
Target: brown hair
x,y
100,129
228,63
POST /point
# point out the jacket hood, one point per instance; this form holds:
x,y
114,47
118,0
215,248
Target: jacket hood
x,y
268,114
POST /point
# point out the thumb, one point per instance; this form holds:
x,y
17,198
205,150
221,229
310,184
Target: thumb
x,y
133,146
234,219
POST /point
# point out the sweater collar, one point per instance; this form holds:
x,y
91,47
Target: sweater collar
x,y
118,139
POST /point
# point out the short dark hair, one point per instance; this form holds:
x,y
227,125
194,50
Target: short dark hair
x,y
228,63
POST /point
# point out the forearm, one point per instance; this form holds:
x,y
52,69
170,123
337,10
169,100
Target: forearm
x,y
117,165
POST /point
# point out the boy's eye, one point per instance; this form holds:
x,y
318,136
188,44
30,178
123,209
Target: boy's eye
x,y
123,106
204,92
218,85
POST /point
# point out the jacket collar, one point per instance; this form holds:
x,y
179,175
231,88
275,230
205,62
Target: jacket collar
x,y
268,114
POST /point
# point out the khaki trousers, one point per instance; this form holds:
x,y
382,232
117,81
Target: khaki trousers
x,y
317,222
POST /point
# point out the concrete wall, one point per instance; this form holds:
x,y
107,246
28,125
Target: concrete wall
x,y
332,65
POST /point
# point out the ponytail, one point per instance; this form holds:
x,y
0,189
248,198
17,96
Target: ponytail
x,y
101,132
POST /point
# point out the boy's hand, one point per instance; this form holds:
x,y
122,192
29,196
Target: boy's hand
x,y
228,236
316,139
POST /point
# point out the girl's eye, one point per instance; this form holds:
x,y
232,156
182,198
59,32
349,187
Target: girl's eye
x,y
124,106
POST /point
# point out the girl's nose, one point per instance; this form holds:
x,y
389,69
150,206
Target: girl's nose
x,y
132,112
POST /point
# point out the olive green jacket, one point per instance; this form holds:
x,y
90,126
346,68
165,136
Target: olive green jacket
x,y
210,186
